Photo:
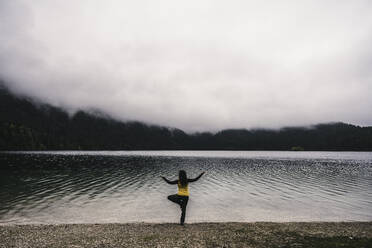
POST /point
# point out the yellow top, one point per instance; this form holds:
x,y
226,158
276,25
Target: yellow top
x,y
183,190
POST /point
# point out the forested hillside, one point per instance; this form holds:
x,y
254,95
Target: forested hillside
x,y
29,126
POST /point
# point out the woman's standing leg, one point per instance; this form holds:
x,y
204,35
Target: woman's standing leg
x,y
183,204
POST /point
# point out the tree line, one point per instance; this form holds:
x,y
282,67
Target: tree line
x,y
25,125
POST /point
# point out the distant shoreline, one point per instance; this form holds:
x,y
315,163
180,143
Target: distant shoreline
x,y
178,150
224,234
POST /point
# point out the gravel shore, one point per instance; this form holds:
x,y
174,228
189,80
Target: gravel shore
x,y
260,234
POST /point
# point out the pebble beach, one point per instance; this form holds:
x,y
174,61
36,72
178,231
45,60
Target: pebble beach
x,y
259,234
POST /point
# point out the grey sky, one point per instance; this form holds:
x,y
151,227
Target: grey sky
x,y
195,65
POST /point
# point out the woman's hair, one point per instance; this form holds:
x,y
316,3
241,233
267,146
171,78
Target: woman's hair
x,y
182,177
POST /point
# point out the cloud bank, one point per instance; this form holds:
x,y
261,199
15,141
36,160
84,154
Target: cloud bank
x,y
195,65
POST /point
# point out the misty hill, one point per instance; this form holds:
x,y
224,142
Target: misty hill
x,y
26,125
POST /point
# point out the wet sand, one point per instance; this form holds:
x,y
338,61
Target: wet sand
x,y
260,234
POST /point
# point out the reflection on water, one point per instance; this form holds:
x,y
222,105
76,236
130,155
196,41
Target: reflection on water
x,y
98,187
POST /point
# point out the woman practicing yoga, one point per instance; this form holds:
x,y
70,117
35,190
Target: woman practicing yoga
x,y
182,197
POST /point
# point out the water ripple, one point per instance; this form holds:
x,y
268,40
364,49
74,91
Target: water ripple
x,y
65,188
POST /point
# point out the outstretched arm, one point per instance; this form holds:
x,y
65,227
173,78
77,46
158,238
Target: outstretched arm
x,y
196,178
170,182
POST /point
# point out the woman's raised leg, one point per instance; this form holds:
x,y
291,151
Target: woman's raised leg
x,y
175,199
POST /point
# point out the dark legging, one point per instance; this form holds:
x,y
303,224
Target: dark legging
x,y
182,201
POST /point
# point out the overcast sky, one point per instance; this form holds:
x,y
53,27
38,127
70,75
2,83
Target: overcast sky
x,y
196,65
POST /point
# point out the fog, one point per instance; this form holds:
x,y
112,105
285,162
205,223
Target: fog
x,y
194,65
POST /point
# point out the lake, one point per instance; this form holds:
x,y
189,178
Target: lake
x,y
126,186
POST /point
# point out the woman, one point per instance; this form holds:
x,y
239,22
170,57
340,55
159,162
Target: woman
x,y
182,197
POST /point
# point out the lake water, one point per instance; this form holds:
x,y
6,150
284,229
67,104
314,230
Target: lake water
x,y
123,186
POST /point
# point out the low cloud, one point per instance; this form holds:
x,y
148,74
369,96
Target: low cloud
x,y
195,65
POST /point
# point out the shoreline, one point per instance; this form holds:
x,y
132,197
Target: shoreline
x,y
207,234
